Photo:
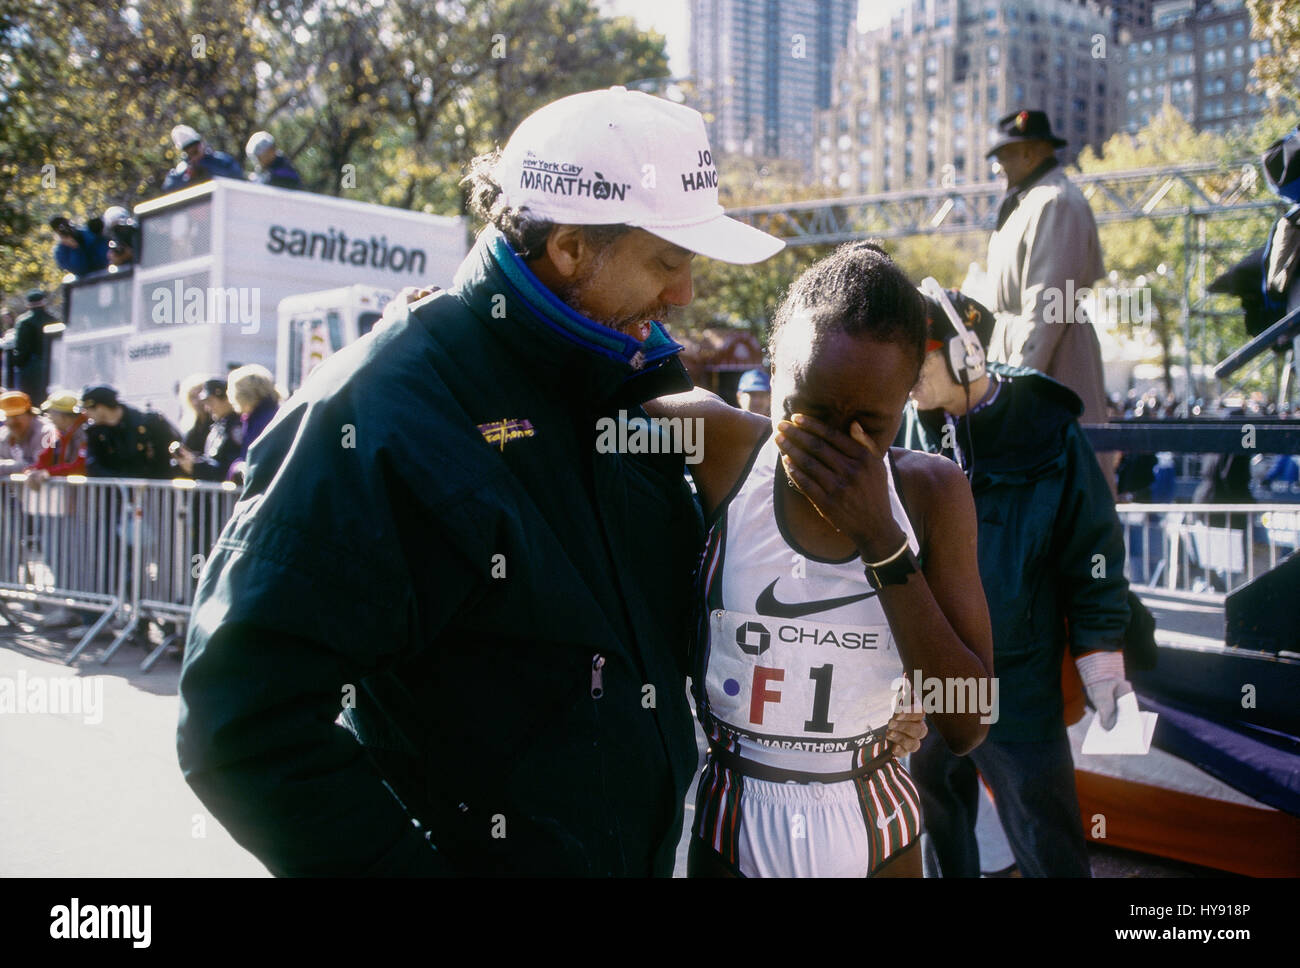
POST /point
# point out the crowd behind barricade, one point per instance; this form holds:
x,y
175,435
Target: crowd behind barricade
x,y
96,434
1234,478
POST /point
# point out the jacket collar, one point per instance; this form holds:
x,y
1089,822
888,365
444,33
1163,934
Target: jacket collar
x,y
1016,435
602,364
1014,195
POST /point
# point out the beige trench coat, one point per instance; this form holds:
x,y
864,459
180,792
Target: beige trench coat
x,y
1038,261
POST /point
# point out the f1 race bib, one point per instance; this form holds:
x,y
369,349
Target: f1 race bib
x,y
798,684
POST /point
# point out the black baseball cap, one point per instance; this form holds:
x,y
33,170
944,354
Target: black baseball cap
x,y
99,394
215,387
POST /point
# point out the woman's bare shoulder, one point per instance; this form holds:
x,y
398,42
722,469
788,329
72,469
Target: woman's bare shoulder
x,y
927,476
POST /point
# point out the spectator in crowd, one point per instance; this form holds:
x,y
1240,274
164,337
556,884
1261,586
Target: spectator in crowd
x,y
199,162
252,388
1225,479
25,432
1164,484
29,354
122,441
78,250
114,216
67,454
123,233
1044,251
195,419
1046,520
6,349
1281,163
754,393
272,167
1284,471
120,255
224,441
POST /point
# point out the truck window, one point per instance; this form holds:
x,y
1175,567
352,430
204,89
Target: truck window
x,y
177,233
101,302
335,323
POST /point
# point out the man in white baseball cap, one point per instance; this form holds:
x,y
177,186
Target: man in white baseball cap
x,y
198,161
607,195
496,550
620,156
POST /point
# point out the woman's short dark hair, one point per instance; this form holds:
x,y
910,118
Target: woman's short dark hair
x,y
862,291
526,232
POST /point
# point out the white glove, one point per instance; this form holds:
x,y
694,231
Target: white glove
x,y
1103,680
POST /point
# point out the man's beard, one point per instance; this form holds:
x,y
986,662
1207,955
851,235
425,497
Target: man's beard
x,y
635,325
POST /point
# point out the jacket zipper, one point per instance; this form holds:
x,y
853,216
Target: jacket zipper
x,y
598,690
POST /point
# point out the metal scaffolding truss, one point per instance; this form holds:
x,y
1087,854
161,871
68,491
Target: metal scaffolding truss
x,y
1201,189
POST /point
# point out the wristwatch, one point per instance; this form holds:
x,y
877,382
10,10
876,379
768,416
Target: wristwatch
x,y
894,569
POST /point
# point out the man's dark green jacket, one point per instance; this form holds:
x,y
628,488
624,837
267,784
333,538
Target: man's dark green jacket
x,y
431,543
1051,550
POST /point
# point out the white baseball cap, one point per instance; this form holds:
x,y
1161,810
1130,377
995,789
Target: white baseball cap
x,y
624,157
183,136
258,143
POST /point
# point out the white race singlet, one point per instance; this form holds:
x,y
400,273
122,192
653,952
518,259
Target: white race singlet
x,y
800,674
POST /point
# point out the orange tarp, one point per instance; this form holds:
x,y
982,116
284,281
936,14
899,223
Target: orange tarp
x,y
1198,830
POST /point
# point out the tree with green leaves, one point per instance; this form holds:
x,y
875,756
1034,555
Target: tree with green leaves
x,y
1164,254
379,100
1278,22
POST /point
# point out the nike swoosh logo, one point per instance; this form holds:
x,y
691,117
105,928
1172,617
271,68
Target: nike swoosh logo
x,y
883,822
768,605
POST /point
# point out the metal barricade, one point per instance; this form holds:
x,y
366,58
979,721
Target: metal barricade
x,y
126,548
133,549
179,522
62,543
1206,549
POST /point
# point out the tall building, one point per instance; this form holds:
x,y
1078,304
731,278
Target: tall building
x,y
1130,14
1197,56
916,101
762,67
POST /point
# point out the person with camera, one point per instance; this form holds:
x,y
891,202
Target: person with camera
x,y
225,439
78,250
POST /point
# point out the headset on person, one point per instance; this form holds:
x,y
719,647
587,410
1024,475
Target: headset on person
x,y
964,355
964,352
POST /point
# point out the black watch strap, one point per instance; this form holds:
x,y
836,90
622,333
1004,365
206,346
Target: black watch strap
x,y
893,573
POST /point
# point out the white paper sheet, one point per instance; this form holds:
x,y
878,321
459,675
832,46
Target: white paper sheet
x,y
1131,734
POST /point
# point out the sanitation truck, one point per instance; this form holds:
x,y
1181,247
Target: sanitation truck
x,y
216,261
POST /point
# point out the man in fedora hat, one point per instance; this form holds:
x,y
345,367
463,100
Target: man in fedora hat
x,y
25,433
1044,251
30,361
